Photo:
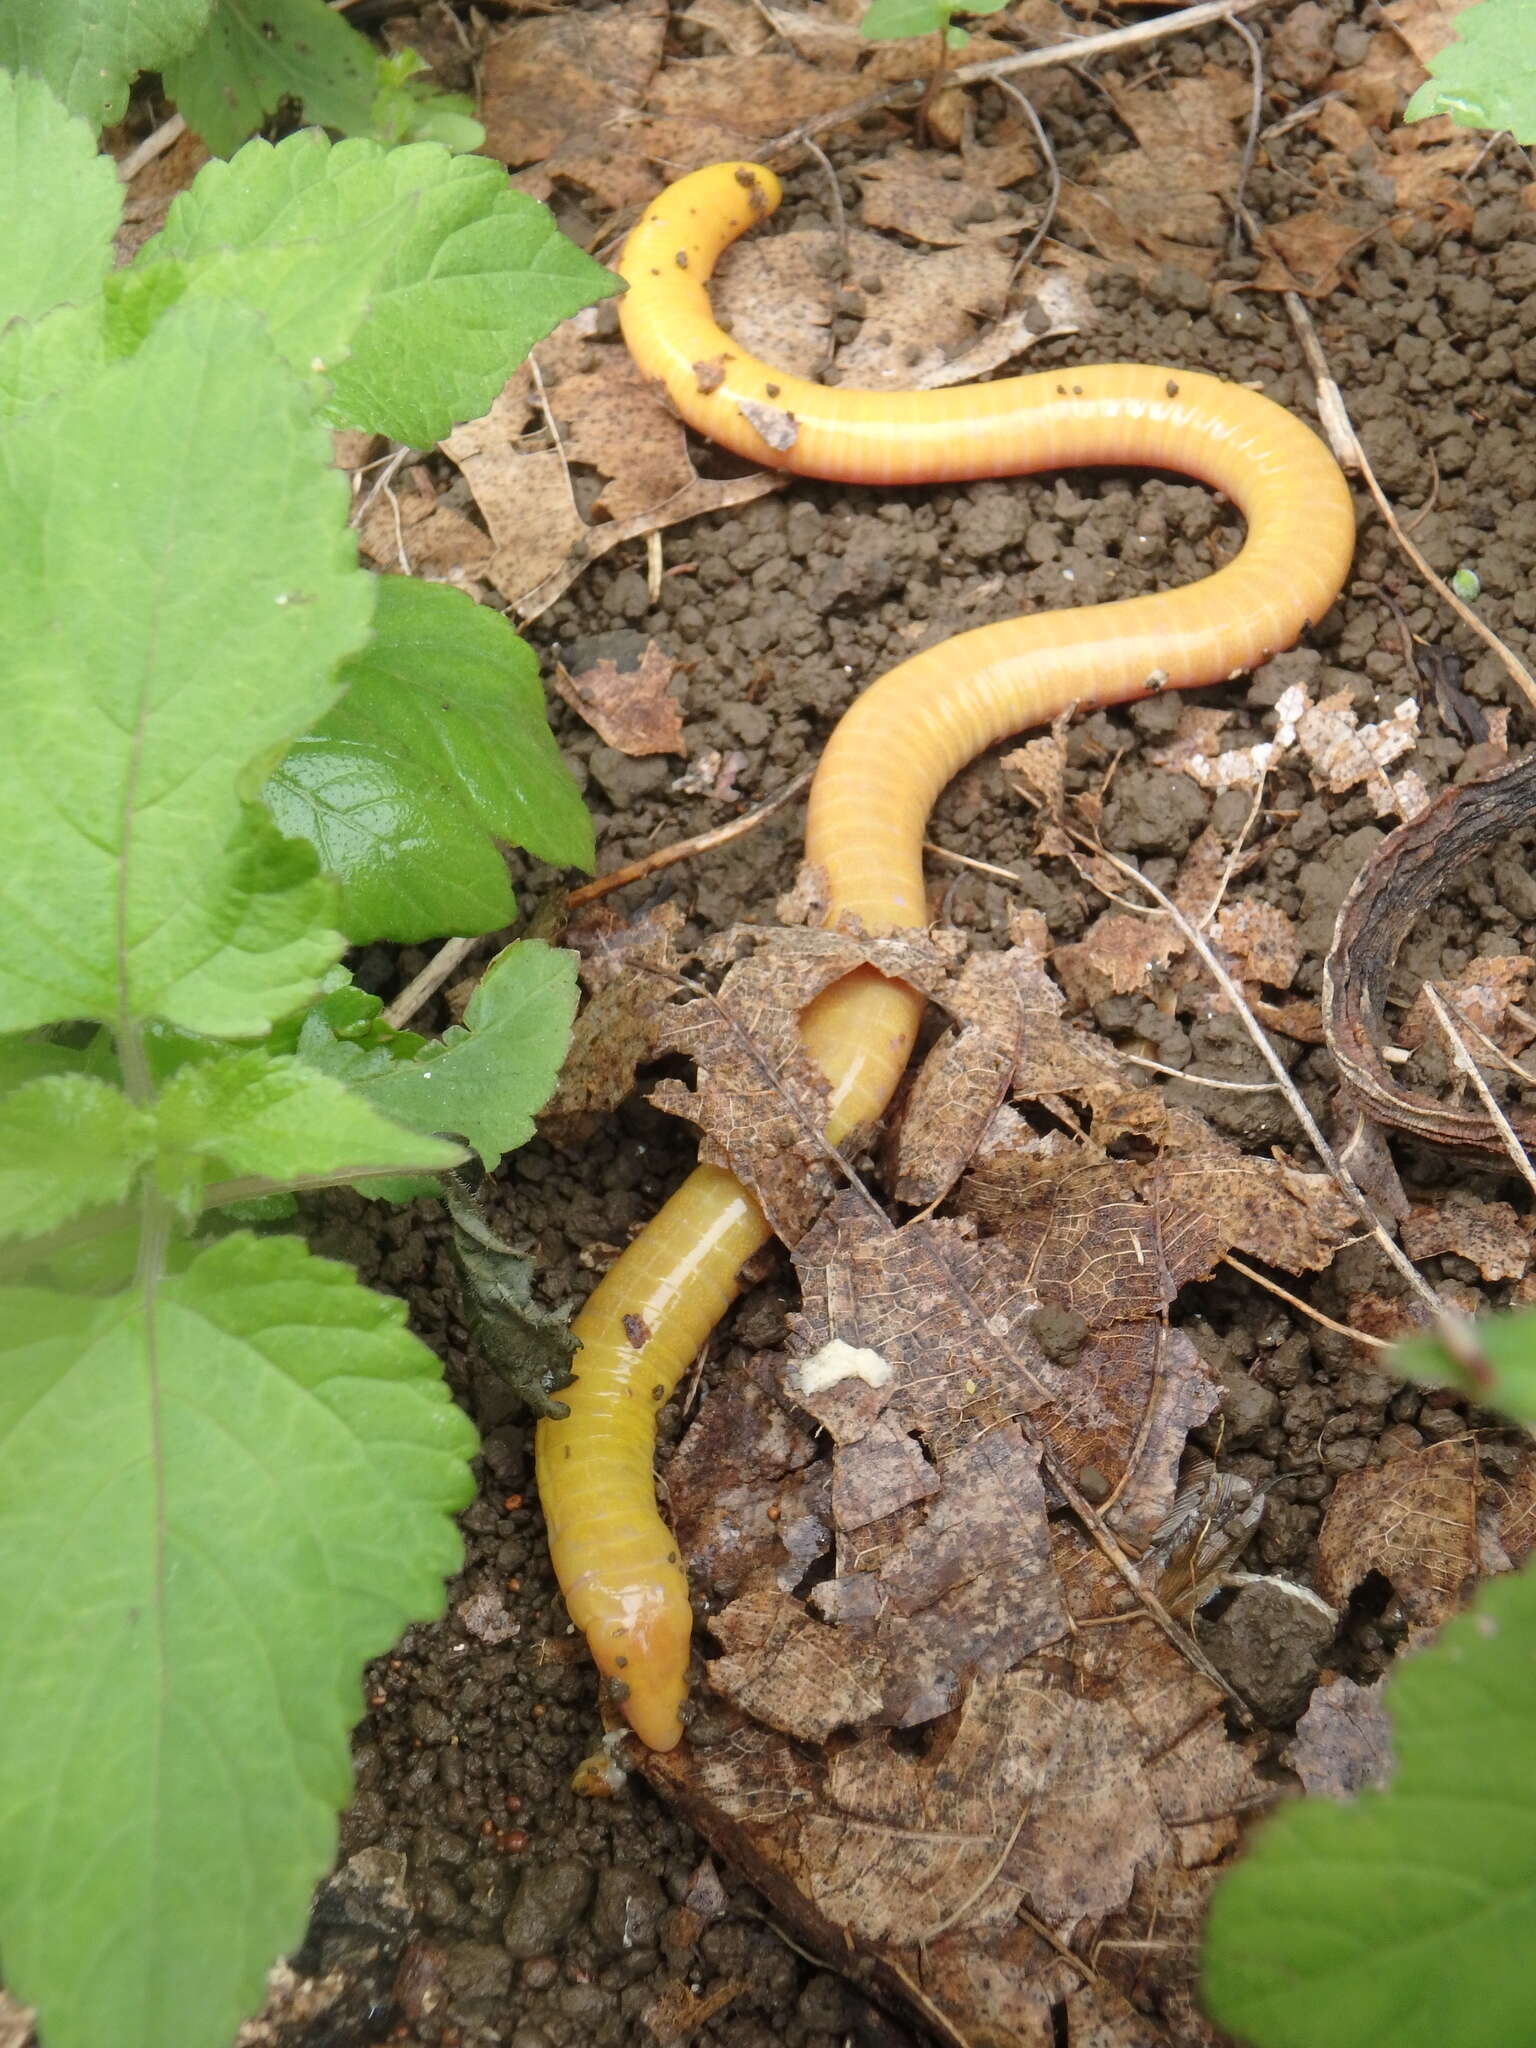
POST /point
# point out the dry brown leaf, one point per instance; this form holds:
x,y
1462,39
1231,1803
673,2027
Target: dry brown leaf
x,y
760,1100
1008,1033
1306,253
1119,954
522,487
1261,943
1174,191
1490,1234
409,530
916,193
790,1671
629,971
1415,1522
677,2011
1346,752
930,318
754,95
1343,1741
557,91
1490,993
631,709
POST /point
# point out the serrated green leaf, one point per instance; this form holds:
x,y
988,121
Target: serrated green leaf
x,y
440,745
411,863
41,358
1486,77
476,273
408,107
59,201
1409,1914
1492,1363
90,51
67,1143
484,1081
163,634
250,1116
215,1505
254,54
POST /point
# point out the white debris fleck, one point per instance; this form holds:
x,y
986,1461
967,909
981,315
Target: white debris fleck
x,y
837,1361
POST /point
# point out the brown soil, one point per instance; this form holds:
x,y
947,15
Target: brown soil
x,y
480,1901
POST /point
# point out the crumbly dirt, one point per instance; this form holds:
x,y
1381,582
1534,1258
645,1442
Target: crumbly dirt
x,y
480,1901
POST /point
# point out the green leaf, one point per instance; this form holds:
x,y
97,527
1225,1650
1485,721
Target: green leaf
x,y
1492,1363
891,20
408,108
255,54
59,200
24,1057
215,1504
164,633
1486,78
1409,1914
473,274
485,1082
90,51
67,1143
249,1116
41,358
440,746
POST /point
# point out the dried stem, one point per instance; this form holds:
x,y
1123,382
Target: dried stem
x,y
1276,1065
685,849
1519,1157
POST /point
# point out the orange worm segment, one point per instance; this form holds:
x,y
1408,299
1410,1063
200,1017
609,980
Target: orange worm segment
x,y
893,752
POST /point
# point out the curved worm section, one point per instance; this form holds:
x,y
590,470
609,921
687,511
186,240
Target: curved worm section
x,y
892,753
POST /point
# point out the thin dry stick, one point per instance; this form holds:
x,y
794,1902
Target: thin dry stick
x,y
1255,116
685,849
1135,1059
151,147
1276,1065
1072,52
1053,169
1312,348
388,470
1469,1067
428,982
1302,1307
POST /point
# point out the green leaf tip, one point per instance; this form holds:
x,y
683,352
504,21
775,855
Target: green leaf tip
x,y
1486,76
59,201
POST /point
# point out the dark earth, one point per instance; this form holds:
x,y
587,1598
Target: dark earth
x,y
479,1902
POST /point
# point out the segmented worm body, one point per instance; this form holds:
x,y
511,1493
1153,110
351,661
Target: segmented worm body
x,y
894,750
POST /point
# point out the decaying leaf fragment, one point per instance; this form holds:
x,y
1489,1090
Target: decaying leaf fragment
x,y
1415,1522
629,970
760,1100
631,709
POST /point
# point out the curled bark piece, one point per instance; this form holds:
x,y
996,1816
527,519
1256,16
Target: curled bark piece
x,y
1409,871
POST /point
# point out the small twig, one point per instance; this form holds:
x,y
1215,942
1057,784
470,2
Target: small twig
x,y
549,420
828,354
1070,52
1302,1307
389,468
685,849
1276,1065
152,146
979,867
1506,1060
1053,169
1255,115
1354,457
428,982
1196,1080
1469,1067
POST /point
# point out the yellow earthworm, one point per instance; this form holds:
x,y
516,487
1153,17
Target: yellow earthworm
x,y
894,750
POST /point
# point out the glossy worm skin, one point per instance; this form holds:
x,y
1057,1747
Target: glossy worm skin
x,y
893,752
